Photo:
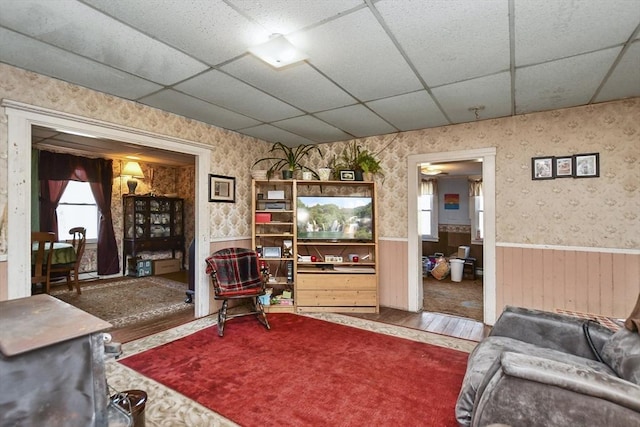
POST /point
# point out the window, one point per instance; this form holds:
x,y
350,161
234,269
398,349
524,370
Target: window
x,y
427,217
477,228
77,208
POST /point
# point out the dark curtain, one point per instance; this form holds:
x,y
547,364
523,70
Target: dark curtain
x,y
54,168
50,194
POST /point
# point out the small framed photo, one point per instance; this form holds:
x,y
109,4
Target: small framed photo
x,y
563,167
542,167
586,165
222,188
347,176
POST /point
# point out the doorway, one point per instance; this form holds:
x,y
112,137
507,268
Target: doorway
x,y
415,285
451,232
21,118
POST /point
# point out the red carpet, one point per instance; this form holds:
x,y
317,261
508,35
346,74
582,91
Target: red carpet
x,y
308,372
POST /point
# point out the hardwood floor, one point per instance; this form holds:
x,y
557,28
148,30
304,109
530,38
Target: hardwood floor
x,y
141,330
426,321
431,322
437,323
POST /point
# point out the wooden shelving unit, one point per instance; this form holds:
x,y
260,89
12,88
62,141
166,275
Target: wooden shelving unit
x,y
343,274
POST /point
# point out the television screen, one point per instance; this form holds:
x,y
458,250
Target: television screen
x,y
336,218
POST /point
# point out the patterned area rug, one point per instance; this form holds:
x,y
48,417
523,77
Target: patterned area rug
x,y
128,301
463,299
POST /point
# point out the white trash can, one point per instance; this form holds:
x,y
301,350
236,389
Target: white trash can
x,y
457,265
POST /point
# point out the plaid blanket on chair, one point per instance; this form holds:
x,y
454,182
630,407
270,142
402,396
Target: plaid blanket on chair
x,y
234,270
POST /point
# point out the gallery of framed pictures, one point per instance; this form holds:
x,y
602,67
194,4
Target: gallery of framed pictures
x,y
570,166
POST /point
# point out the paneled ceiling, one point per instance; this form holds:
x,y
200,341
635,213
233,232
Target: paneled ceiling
x,y
374,66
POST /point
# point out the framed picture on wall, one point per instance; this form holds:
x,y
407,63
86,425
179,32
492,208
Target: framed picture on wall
x,y
222,188
563,167
586,165
542,167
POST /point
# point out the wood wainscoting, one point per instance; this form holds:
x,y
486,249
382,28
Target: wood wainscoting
x,y
587,280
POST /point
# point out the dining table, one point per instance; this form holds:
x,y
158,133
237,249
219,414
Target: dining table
x,y
63,253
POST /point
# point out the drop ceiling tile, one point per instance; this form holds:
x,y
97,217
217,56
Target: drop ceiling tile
x,y
551,29
280,17
313,129
492,93
54,62
410,111
562,83
210,31
273,134
357,120
355,52
299,85
232,94
624,82
99,37
187,106
453,40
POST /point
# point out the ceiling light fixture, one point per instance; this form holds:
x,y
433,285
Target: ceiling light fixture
x,y
278,52
428,170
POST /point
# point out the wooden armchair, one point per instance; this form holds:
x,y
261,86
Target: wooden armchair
x,y
41,254
235,274
79,241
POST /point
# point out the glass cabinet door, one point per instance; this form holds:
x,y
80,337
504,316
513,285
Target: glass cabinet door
x,y
177,218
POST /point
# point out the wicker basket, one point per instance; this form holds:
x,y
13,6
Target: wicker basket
x,y
441,269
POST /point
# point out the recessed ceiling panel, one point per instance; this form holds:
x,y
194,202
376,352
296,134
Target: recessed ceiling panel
x,y
299,84
453,40
624,82
561,83
355,52
99,37
210,30
232,94
551,29
491,95
357,120
411,111
313,129
280,17
274,134
187,106
54,62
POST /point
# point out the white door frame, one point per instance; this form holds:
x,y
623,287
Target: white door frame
x,y
21,117
488,156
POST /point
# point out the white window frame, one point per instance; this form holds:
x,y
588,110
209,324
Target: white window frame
x,y
434,236
63,231
477,223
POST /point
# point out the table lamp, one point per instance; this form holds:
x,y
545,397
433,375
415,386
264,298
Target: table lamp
x,y
133,170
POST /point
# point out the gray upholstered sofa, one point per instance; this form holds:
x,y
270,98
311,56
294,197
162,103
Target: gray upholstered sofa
x,y
538,369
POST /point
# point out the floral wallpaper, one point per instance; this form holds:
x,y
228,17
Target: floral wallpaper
x,y
227,220
594,212
601,212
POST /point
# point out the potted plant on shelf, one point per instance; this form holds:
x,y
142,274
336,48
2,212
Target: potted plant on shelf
x,y
290,159
370,165
359,160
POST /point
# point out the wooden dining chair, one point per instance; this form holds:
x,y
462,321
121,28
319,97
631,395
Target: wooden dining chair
x,y
78,241
41,258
